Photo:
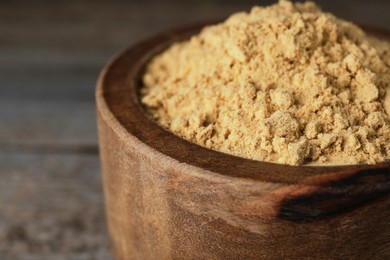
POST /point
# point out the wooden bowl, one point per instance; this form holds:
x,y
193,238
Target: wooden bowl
x,y
167,198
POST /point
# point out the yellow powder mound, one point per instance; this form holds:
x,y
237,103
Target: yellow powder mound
x,y
287,84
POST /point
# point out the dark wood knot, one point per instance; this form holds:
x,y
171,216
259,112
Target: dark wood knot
x,y
337,197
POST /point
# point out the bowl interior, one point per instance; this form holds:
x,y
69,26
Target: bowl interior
x,y
120,84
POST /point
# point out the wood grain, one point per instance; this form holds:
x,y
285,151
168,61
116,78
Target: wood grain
x,y
51,207
168,197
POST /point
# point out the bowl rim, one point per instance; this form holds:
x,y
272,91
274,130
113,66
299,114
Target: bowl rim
x,y
118,101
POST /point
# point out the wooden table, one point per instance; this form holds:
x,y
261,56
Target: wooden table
x,y
51,204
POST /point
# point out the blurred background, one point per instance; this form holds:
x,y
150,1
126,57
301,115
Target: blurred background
x,y
51,51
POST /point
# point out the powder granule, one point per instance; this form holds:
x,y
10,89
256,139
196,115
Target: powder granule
x,y
286,83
